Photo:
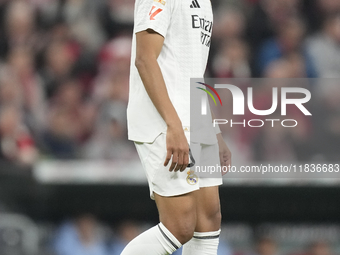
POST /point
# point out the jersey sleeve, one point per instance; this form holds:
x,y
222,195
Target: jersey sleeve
x,y
153,14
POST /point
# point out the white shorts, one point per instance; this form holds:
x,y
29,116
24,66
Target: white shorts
x,y
168,184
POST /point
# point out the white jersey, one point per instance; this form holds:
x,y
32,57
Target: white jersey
x,y
186,26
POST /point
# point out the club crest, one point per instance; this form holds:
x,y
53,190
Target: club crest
x,y
192,178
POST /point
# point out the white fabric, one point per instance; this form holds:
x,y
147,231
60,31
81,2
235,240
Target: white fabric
x,y
217,129
153,242
187,32
202,246
168,184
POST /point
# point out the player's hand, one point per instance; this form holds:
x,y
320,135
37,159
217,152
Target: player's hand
x,y
225,154
178,148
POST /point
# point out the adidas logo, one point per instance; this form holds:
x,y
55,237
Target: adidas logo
x,y
195,4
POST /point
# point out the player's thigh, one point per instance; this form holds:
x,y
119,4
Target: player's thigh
x,y
208,209
178,214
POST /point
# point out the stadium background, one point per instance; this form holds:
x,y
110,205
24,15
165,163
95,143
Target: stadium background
x,y
71,183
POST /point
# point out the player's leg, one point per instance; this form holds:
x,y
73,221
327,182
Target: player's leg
x,y
178,214
178,221
175,202
206,236
208,209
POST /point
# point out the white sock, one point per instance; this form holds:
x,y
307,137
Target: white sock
x,y
202,244
155,241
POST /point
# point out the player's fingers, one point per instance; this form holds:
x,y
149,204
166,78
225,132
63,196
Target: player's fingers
x,y
168,157
185,161
179,162
224,167
174,161
172,166
227,167
228,163
228,155
222,159
225,159
223,163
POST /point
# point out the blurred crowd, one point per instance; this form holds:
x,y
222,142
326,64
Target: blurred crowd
x,y
64,70
86,235
64,67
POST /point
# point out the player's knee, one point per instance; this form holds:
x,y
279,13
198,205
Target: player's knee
x,y
214,216
218,217
185,233
182,228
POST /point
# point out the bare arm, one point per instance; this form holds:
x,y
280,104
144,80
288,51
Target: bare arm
x,y
149,46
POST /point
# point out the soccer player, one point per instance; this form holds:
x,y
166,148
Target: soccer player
x,y
171,45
